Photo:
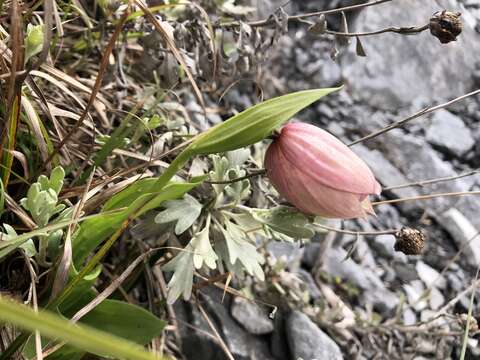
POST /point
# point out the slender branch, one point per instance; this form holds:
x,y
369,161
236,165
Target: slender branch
x,y
433,181
425,111
258,172
411,30
351,232
426,197
270,20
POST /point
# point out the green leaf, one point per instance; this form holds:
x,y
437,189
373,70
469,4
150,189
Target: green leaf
x,y
285,220
125,320
81,336
93,233
255,123
184,212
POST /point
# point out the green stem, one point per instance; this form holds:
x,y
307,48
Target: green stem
x,y
42,251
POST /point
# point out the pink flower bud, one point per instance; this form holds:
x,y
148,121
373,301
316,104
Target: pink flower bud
x,y
319,174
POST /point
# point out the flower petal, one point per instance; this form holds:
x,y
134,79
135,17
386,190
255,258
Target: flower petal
x,y
327,159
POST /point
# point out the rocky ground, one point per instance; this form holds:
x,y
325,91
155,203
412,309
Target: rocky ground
x,y
375,303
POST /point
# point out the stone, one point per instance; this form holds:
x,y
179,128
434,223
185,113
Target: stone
x,y
435,299
415,291
310,284
310,254
386,173
469,206
430,276
289,253
307,341
384,245
418,161
448,132
405,271
463,233
329,74
242,345
409,317
251,316
196,344
373,288
403,70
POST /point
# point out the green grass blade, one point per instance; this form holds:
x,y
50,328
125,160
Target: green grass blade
x,y
83,337
7,246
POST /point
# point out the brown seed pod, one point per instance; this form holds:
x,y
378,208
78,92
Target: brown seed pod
x,y
446,26
410,241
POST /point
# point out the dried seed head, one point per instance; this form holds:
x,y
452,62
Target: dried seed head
x,y
446,26
410,241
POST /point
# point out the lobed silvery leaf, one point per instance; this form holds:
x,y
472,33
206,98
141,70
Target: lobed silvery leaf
x,y
254,124
285,220
240,189
245,221
184,212
240,248
220,168
203,251
182,279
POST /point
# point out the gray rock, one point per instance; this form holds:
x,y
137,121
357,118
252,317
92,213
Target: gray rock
x,y
374,290
313,290
386,173
251,316
430,276
469,206
436,299
241,344
463,233
307,341
330,74
415,291
449,132
409,317
404,70
290,253
384,244
310,254
196,344
405,272
417,161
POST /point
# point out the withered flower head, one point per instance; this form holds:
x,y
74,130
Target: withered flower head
x,y
446,26
410,241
